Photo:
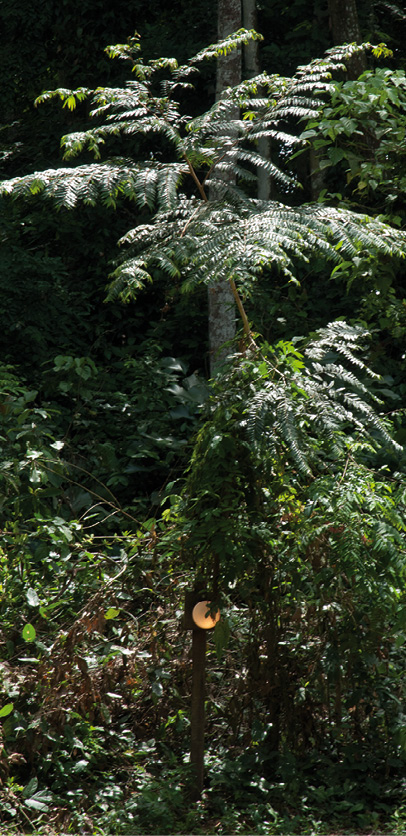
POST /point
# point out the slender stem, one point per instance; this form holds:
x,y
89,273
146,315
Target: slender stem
x,y
219,160
240,306
116,508
196,179
189,221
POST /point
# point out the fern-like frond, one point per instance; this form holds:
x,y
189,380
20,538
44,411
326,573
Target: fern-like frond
x,y
155,184
69,98
313,410
77,142
240,238
259,162
69,186
339,339
128,51
227,45
129,281
230,236
104,183
105,99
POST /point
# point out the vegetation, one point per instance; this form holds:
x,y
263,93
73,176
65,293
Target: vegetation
x,y
277,488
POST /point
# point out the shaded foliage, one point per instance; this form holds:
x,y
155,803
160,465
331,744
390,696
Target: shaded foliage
x,y
125,478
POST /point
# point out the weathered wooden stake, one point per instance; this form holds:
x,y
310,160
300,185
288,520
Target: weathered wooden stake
x,y
197,718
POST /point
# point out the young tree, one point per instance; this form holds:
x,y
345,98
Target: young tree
x,y
234,238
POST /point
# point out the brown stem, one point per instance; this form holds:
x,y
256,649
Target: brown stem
x,y
240,306
196,179
219,160
189,221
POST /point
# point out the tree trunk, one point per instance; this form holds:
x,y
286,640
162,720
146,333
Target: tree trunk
x,y
251,59
344,25
229,66
252,68
222,327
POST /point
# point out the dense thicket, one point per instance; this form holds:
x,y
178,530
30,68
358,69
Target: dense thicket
x,y
127,476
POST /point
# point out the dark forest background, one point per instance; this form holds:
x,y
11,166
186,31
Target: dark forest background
x,y
104,414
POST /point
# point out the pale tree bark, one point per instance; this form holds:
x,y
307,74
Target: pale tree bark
x,y
252,69
222,312
229,19
249,20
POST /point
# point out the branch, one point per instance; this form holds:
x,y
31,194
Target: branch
x,y
240,306
196,179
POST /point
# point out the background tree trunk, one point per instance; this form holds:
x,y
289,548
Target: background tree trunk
x,y
229,18
222,327
344,26
345,29
252,68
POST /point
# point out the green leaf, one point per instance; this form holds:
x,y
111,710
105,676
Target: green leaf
x,y
37,803
58,445
111,613
157,689
80,766
29,633
30,788
35,475
7,709
32,598
336,155
221,636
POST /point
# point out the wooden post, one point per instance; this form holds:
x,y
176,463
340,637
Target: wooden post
x,y
197,718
